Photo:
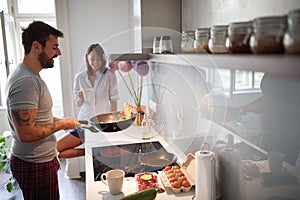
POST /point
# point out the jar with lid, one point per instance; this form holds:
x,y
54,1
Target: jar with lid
x,y
238,40
202,36
165,45
187,41
156,44
217,41
267,36
291,39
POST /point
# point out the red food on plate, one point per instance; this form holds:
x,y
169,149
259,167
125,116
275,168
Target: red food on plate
x,y
146,180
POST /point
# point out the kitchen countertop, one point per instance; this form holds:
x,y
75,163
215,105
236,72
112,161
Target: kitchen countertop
x,y
97,189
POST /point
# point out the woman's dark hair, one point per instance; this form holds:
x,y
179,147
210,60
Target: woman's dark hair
x,y
38,31
100,52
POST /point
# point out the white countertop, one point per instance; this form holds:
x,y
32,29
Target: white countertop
x,y
97,189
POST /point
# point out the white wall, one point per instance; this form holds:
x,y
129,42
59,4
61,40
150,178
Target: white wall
x,y
205,13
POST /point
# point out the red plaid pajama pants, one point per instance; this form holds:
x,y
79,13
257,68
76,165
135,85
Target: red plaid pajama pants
x,y
38,181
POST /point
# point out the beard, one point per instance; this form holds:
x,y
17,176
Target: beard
x,y
45,61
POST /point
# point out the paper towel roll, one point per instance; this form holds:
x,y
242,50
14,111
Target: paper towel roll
x,y
205,175
229,166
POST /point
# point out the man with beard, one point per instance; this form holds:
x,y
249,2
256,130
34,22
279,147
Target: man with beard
x,y
33,159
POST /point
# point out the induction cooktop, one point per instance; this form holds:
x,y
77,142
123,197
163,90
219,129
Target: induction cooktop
x,y
124,156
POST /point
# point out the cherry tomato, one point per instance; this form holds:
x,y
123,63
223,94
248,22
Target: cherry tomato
x,y
142,187
154,185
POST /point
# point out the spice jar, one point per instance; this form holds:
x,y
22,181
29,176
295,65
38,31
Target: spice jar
x,y
267,36
165,45
238,40
187,41
291,39
202,36
218,35
139,117
156,44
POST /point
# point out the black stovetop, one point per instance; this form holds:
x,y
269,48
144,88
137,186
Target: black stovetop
x,y
125,157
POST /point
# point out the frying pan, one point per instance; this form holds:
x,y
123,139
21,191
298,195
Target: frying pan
x,y
109,122
158,159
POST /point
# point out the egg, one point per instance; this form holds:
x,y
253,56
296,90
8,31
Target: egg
x,y
176,167
180,173
170,171
171,175
167,168
173,179
183,178
185,183
176,184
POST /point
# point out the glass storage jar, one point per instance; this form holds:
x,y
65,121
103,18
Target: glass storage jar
x,y
156,44
291,39
238,40
202,36
218,35
187,41
165,45
267,36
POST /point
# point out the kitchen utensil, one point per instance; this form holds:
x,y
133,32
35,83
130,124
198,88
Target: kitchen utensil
x,y
109,122
91,128
158,159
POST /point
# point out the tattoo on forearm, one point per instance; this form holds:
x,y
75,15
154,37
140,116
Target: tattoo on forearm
x,y
25,117
46,129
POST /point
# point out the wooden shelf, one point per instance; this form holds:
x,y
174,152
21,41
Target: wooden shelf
x,y
276,64
129,56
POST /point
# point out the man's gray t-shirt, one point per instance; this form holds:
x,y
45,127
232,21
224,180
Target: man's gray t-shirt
x,y
26,90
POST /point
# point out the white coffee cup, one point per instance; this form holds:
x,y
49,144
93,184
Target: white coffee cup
x,y
275,160
88,94
114,180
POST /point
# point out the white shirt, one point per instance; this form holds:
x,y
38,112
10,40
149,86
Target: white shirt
x,y
104,91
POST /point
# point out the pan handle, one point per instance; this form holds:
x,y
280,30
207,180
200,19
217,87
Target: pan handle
x,y
85,122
